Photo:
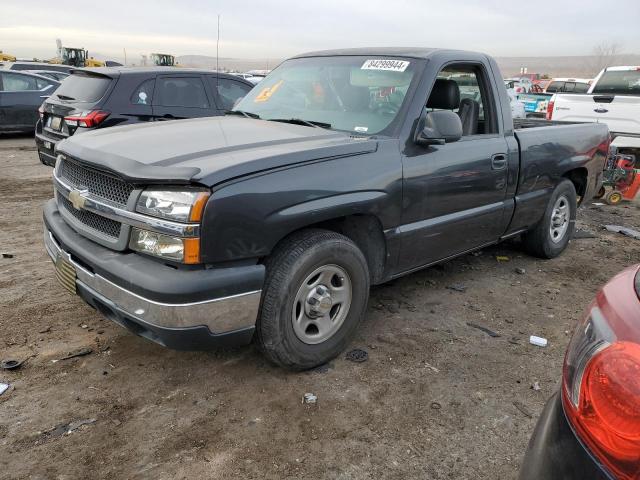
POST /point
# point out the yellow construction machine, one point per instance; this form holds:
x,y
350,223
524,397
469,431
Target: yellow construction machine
x,y
5,57
163,60
74,57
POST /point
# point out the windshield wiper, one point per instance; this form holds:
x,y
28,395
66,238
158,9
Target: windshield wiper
x,y
300,121
64,97
243,113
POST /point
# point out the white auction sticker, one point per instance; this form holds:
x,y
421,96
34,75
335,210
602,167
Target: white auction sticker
x,y
382,64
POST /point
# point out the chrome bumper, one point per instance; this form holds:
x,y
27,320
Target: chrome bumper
x,y
220,315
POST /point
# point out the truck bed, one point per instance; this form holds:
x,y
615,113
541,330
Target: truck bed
x,y
547,150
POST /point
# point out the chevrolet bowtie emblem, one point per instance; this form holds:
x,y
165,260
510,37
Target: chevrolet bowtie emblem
x,y
77,198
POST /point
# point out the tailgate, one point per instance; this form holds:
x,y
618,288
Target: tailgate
x,y
621,113
53,122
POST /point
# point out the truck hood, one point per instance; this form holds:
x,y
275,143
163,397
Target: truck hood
x,y
206,150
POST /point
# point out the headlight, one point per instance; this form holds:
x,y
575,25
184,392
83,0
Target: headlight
x,y
180,206
184,250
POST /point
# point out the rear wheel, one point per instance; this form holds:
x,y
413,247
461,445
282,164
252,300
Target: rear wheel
x,y
601,193
551,235
315,294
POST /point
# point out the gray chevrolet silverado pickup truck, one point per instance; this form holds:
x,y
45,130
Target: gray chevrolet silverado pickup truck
x,y
340,170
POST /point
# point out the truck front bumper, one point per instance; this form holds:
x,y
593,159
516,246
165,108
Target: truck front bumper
x,y
191,309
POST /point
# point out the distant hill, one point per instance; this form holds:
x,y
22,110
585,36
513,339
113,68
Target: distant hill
x,y
225,63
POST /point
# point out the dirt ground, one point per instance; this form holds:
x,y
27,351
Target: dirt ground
x,y
437,398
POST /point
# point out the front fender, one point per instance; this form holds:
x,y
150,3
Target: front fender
x,y
246,219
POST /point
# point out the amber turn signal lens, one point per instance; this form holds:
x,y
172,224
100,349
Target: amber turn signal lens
x,y
191,250
197,208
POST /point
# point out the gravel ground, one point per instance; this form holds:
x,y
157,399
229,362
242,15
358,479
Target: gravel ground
x,y
437,398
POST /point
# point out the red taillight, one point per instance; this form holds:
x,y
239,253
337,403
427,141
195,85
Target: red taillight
x,y
550,109
601,378
87,119
611,392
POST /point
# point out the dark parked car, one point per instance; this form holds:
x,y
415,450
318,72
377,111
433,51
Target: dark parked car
x,y
341,169
93,98
20,96
591,428
35,66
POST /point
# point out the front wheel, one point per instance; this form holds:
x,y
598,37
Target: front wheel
x,y
551,235
315,294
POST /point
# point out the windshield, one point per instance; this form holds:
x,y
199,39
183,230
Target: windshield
x,y
620,82
362,95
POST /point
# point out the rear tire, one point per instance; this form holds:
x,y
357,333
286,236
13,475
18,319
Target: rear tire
x,y
550,237
315,294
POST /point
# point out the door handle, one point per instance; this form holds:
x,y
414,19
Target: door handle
x,y
498,161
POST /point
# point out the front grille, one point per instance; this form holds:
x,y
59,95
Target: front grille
x,y
100,184
95,222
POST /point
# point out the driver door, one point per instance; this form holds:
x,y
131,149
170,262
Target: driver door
x,y
454,193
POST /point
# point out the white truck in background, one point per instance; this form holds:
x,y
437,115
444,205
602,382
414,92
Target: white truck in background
x,y
614,99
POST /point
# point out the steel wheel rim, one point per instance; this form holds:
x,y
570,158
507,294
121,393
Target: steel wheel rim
x,y
321,304
560,217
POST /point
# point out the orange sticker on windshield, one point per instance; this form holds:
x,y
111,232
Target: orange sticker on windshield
x,y
267,92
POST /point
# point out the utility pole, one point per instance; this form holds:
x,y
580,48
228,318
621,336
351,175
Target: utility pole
x,y
125,56
218,46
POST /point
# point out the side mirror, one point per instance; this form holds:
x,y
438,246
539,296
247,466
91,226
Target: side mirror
x,y
440,127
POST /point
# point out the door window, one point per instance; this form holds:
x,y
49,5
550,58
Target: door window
x,y
228,91
476,108
41,83
143,95
14,82
181,92
618,82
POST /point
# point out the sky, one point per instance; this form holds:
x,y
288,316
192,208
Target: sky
x,y
281,28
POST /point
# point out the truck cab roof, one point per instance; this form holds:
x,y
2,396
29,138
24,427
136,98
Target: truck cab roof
x,y
408,52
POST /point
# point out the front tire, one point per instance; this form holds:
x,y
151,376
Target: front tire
x,y
315,294
550,237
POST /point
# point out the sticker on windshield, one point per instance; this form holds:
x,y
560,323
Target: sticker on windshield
x,y
266,93
381,64
361,129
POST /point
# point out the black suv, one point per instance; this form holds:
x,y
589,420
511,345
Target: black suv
x,y
104,97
